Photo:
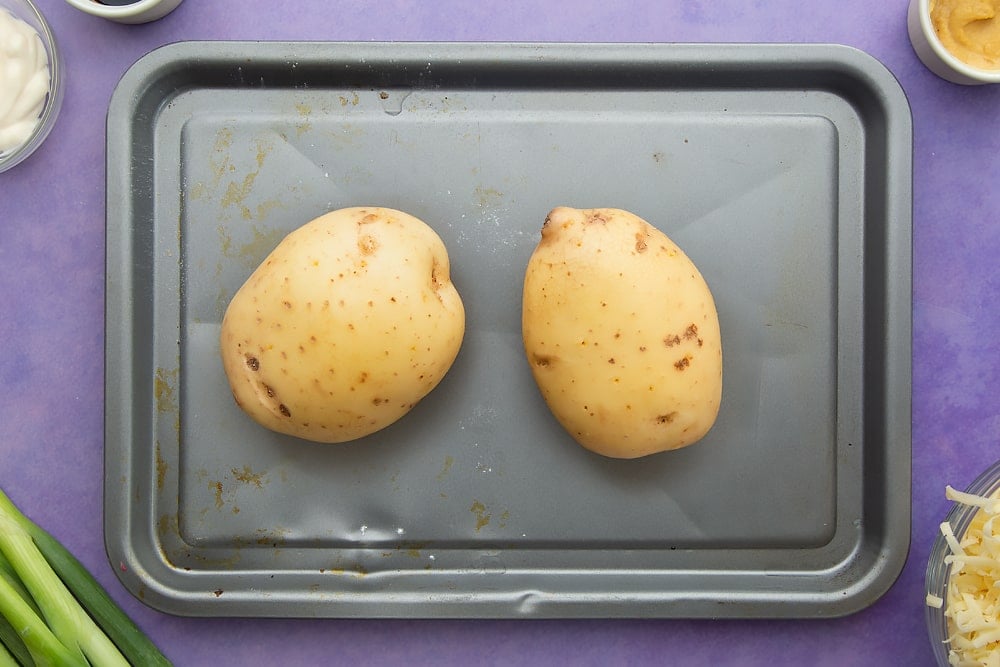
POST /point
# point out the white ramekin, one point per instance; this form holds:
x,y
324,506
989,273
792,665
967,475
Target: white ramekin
x,y
935,56
141,11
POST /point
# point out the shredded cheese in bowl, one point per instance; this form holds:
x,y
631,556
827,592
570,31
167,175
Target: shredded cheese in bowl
x,y
963,577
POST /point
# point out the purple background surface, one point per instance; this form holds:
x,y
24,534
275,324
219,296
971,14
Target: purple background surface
x,y
52,321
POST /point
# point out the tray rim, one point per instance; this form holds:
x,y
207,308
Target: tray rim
x,y
149,581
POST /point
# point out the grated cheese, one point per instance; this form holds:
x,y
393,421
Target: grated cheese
x,y
973,596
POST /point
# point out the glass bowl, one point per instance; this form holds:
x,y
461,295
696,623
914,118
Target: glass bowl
x,y
938,573
27,12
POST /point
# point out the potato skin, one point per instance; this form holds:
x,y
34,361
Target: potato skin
x,y
344,327
621,334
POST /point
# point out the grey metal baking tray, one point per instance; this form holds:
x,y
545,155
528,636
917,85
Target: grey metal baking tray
x,y
783,170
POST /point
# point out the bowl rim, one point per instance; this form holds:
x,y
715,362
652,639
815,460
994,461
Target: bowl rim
x,y
937,574
53,102
946,56
135,10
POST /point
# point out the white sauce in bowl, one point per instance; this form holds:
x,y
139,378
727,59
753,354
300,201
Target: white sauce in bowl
x,y
24,81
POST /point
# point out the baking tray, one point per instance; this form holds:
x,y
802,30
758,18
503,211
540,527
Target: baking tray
x,y
783,170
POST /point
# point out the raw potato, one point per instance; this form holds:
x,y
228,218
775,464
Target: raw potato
x,y
344,327
621,333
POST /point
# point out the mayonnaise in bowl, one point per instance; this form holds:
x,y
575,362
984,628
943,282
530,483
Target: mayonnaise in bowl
x,y
29,99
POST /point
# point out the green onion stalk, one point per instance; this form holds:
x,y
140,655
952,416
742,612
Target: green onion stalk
x,y
53,611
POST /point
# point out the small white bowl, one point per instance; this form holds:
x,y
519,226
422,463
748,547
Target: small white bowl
x,y
935,56
140,11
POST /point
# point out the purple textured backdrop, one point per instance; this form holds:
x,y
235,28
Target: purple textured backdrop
x,y
51,321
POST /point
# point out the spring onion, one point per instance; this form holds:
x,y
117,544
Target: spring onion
x,y
58,611
7,659
10,640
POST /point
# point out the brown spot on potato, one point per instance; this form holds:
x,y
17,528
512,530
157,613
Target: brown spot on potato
x,y
667,418
252,363
640,242
682,363
691,332
542,360
611,360
287,305
435,274
670,341
367,244
268,390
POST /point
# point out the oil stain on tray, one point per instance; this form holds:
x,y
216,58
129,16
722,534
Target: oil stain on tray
x,y
165,394
483,515
226,490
